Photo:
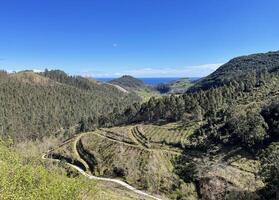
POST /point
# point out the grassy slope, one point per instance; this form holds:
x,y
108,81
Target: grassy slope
x,y
181,85
146,94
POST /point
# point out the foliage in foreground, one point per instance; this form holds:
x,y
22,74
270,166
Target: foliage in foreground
x,y
25,181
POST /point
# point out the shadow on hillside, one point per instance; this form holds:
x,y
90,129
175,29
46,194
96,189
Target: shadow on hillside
x,y
67,160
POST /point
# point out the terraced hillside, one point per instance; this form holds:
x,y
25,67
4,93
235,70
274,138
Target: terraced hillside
x,y
144,156
170,134
125,153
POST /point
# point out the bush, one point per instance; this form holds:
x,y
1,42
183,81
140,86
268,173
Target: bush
x,y
163,88
271,116
270,169
247,128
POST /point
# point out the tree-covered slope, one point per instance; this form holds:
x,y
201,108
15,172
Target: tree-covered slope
x,y
238,69
32,105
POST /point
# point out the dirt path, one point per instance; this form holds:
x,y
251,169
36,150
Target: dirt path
x,y
76,151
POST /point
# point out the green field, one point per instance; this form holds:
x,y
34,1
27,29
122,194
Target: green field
x,y
146,94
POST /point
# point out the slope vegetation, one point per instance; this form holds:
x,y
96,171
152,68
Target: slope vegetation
x,y
23,178
180,86
234,153
130,155
135,85
128,82
239,68
39,104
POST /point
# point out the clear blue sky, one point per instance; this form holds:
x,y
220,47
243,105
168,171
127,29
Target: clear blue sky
x,y
138,37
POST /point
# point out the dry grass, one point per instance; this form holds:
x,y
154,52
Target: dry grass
x,y
32,78
117,153
118,133
150,170
171,134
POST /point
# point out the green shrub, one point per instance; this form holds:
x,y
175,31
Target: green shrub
x,y
271,116
270,169
247,128
24,181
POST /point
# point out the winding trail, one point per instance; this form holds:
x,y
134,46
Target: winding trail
x,y
119,182
77,153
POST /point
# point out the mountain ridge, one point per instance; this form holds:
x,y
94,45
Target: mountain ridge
x,y
237,68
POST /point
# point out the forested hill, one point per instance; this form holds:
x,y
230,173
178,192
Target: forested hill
x,y
129,83
239,68
260,85
33,105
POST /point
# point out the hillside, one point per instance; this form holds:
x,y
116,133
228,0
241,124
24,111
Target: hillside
x,y
34,105
129,83
234,153
25,176
180,86
238,69
150,157
141,155
135,85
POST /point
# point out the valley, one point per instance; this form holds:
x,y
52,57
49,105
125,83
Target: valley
x,y
218,140
139,100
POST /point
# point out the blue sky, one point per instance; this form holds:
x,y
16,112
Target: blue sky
x,y
144,38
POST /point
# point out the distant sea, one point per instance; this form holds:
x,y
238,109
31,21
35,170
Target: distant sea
x,y
152,81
